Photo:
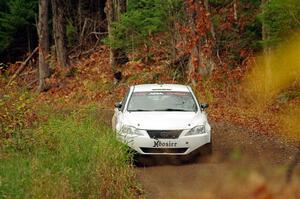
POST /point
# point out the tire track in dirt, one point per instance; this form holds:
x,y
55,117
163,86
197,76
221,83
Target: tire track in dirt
x,y
236,152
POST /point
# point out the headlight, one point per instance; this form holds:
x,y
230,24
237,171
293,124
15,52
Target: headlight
x,y
196,130
130,130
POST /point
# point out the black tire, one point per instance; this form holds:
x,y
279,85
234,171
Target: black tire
x,y
140,160
207,149
137,160
189,158
193,157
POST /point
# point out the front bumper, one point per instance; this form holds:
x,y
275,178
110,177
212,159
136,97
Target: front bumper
x,y
183,145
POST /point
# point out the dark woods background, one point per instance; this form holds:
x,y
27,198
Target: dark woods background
x,y
230,30
83,20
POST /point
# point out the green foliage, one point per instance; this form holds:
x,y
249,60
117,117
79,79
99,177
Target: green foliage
x,y
3,5
143,19
14,16
71,32
236,36
282,18
72,155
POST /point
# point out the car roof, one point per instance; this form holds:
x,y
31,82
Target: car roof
x,y
161,87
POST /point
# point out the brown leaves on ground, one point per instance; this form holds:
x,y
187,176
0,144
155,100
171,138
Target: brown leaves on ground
x,y
90,80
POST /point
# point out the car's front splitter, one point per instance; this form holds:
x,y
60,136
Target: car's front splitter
x,y
180,146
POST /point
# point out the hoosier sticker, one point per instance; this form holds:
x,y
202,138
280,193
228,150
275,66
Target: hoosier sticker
x,y
158,143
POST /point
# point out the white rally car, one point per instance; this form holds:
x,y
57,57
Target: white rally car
x,y
162,119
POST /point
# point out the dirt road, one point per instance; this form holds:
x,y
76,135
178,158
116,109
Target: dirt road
x,y
243,164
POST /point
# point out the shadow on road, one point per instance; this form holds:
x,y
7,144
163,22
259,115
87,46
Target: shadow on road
x,y
178,160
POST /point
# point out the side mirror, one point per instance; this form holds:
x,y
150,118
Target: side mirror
x,y
118,105
204,106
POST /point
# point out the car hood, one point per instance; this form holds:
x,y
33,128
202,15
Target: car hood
x,y
164,120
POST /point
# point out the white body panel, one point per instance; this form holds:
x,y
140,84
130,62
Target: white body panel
x,y
161,122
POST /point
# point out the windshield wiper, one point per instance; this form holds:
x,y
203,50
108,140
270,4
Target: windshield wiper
x,y
171,109
167,109
139,110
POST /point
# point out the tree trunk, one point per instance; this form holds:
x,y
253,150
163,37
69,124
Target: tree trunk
x,y
267,52
213,34
194,61
113,10
79,16
59,31
102,7
235,13
199,63
265,29
43,34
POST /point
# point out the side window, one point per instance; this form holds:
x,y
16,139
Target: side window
x,y
124,100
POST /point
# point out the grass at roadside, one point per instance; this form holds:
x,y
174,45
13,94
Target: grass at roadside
x,y
71,155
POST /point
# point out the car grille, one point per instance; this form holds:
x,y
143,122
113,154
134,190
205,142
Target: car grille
x,y
163,150
164,134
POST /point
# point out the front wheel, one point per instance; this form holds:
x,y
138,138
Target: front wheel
x,y
202,152
207,149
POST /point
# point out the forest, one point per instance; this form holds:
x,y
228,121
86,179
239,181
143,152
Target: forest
x,y
64,63
205,35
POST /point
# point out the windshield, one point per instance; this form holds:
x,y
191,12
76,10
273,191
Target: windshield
x,y
162,101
